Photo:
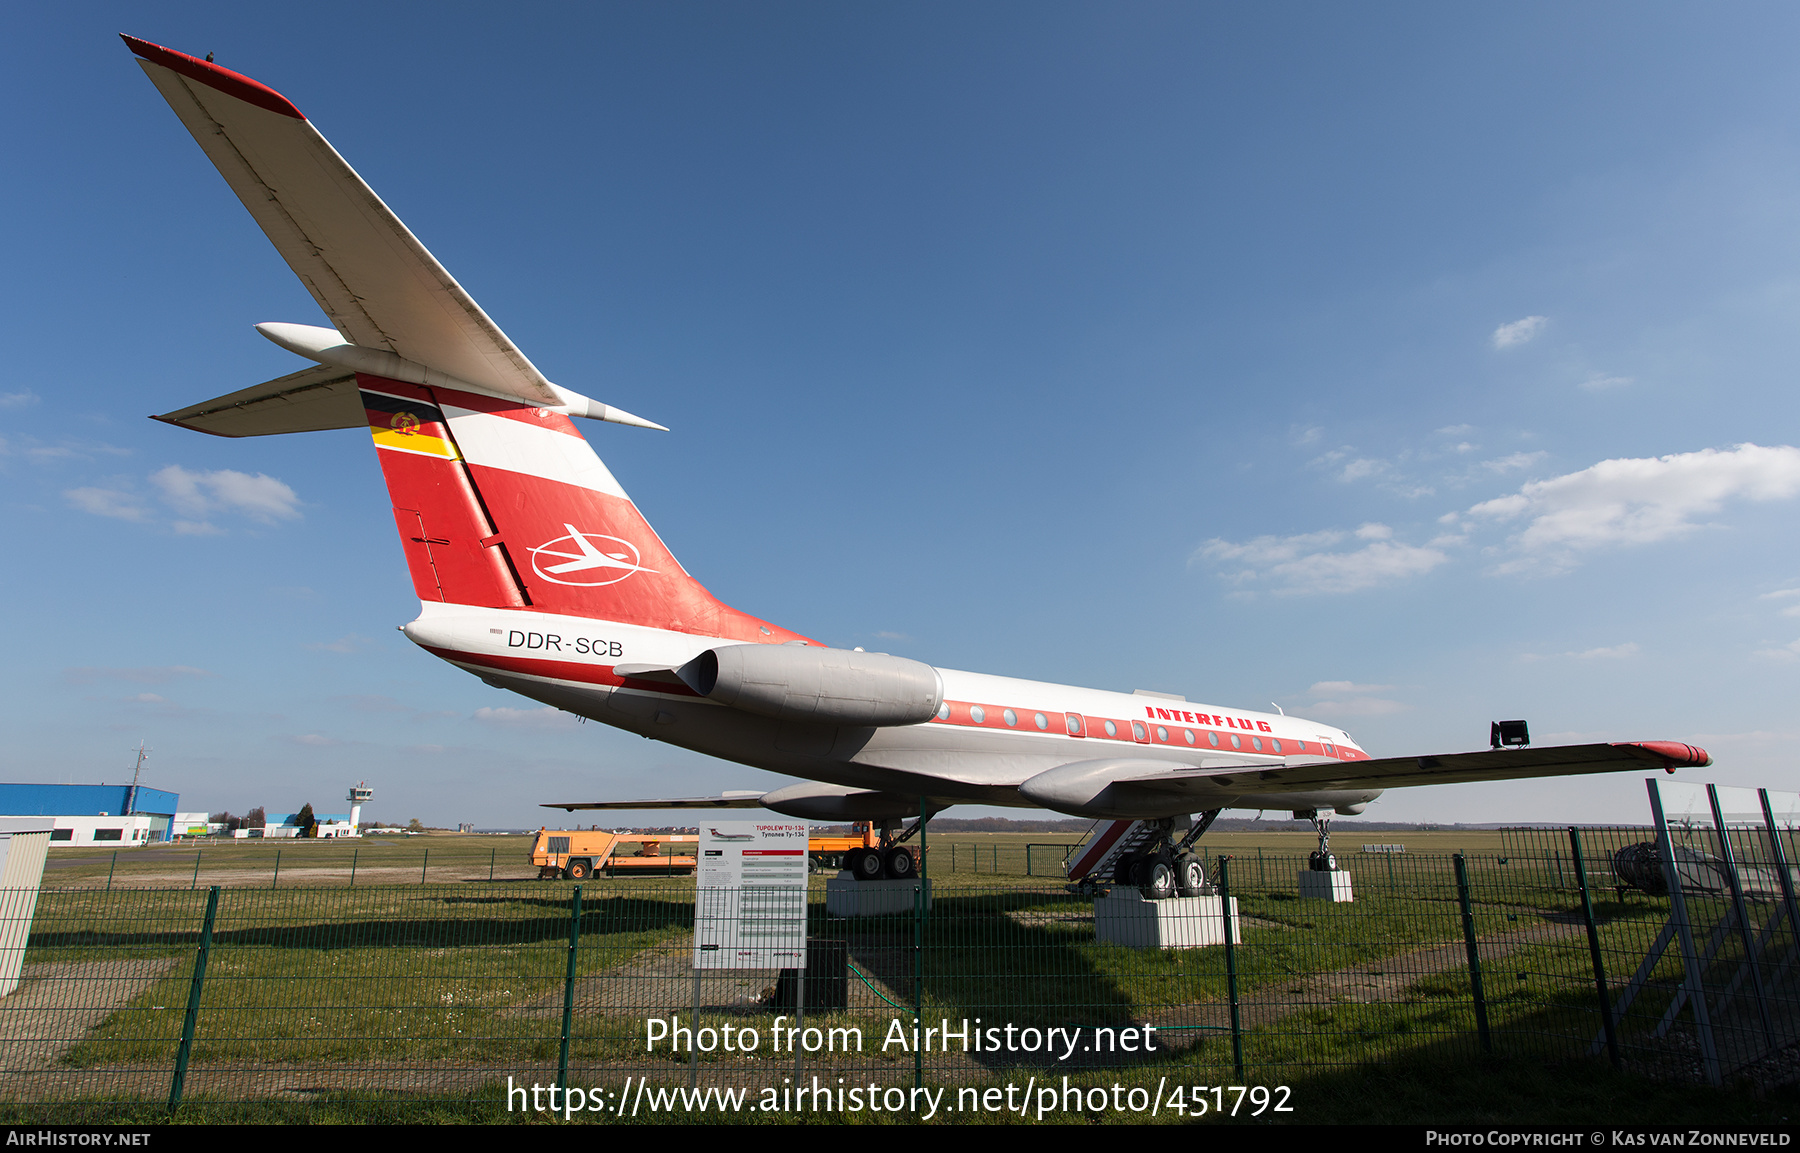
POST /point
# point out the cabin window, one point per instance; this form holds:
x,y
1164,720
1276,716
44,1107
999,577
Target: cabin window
x,y
1189,734
1043,722
1011,718
1256,743
944,711
977,713
1275,744
1162,734
1214,738
1112,730
1236,743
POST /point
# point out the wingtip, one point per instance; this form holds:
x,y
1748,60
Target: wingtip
x,y
1676,754
210,74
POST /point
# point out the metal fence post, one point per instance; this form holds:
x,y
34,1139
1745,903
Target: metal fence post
x,y
193,1005
354,853
491,852
1593,932
562,1057
1231,984
423,865
276,880
110,868
195,883
1468,926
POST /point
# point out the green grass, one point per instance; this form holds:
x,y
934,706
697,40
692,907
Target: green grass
x,y
468,979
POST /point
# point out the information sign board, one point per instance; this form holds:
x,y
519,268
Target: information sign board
x,y
750,904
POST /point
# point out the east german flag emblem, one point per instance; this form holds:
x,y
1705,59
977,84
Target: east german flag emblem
x,y
407,425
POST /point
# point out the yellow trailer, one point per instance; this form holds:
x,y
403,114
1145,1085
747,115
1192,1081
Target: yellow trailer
x,y
576,854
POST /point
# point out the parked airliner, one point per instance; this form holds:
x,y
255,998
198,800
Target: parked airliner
x,y
536,572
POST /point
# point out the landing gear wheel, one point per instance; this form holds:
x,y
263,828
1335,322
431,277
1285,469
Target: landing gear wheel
x,y
1320,861
1122,869
898,864
865,864
1159,878
1138,872
1190,876
579,870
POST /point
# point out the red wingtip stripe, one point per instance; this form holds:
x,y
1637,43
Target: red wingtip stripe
x,y
213,76
1675,753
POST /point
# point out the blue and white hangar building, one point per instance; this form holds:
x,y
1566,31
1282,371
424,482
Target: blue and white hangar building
x,y
116,815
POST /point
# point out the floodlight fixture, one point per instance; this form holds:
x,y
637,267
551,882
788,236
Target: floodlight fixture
x,y
1509,735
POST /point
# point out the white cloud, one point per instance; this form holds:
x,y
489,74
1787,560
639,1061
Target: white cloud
x,y
1600,382
524,718
1338,688
1364,467
196,497
198,494
1519,331
18,399
109,502
1636,501
1792,610
1787,652
1518,460
1615,653
1356,707
1304,564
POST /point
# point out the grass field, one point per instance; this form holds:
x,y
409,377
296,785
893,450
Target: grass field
x,y
442,858
412,1000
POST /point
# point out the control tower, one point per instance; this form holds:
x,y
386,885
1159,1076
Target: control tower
x,y
360,793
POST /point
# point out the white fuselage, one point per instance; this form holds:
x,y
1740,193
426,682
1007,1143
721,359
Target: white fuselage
x,y
990,735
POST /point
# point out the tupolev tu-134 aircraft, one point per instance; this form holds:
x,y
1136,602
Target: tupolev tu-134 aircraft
x,y
536,573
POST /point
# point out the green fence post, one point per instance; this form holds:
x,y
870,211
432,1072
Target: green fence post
x,y
354,853
110,868
193,1005
491,853
423,865
1468,925
195,883
277,878
562,1056
1593,931
1231,983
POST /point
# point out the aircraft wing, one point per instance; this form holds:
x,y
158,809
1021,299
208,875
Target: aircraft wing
x,y
380,286
1442,769
1119,787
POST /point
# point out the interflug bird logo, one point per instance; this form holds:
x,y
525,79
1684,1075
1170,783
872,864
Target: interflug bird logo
x,y
611,562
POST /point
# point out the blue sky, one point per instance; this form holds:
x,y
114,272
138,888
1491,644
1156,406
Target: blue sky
x,y
1395,363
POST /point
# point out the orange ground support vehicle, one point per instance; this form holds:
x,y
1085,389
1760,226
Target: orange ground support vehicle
x,y
576,854
862,854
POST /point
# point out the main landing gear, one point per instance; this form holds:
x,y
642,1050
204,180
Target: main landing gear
x,y
891,862
1320,860
1166,868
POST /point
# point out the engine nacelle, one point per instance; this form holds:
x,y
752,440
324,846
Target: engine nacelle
x,y
816,685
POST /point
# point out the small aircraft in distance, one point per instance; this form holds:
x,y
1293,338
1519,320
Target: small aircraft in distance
x,y
536,573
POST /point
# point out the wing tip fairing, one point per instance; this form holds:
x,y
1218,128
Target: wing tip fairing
x,y
210,74
1675,754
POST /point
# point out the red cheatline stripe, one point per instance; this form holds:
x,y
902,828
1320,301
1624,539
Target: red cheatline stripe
x,y
213,76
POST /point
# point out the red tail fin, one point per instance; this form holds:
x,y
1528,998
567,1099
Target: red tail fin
x,y
503,505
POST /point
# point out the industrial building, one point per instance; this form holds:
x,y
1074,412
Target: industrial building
x,y
116,815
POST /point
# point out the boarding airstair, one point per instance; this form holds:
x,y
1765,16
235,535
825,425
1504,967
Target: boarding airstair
x,y
1107,842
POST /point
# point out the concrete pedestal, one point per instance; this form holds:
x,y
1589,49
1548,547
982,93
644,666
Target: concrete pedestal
x,y
845,896
1125,918
1322,886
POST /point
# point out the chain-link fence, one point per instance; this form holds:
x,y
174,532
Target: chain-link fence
x,y
381,1001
